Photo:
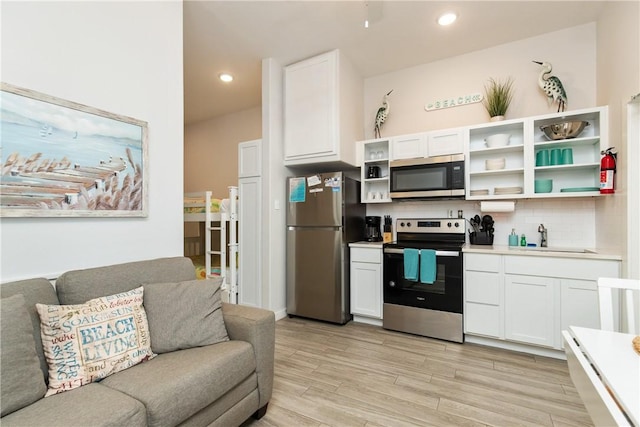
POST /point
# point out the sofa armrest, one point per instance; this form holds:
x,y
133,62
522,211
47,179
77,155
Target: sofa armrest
x,y
258,327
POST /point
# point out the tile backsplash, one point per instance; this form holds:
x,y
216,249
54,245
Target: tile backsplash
x,y
570,222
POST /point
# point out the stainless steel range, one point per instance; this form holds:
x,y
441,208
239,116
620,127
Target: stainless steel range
x,y
428,306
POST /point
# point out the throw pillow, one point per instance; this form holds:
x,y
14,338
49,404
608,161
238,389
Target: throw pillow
x,y
22,380
185,314
84,343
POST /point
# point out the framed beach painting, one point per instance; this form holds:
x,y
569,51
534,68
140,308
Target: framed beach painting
x,y
61,158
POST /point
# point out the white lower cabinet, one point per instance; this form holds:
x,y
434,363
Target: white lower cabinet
x,y
531,299
366,282
484,295
575,295
529,309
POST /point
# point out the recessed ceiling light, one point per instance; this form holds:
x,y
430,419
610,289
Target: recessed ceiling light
x,y
226,77
447,18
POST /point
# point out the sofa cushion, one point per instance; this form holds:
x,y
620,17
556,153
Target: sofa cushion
x,y
22,381
84,343
174,386
184,315
78,286
91,405
34,291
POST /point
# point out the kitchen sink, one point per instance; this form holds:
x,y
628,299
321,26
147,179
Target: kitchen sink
x,y
552,249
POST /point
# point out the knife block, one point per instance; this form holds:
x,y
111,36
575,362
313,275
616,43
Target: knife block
x,y
480,238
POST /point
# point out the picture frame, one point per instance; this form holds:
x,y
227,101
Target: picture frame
x,y
59,158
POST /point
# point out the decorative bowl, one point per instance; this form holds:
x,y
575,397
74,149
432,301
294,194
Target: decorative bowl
x,y
497,140
543,185
564,130
494,164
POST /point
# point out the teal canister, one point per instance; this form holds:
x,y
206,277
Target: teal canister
x,y
513,238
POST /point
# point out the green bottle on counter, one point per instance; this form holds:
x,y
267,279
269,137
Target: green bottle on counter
x,y
523,240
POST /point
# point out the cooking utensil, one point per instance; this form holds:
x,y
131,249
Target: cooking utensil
x,y
564,130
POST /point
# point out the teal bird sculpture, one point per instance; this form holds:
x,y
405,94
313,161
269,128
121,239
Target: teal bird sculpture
x,y
552,86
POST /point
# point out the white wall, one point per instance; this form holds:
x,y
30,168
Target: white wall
x,y
122,57
273,189
572,52
572,222
211,150
618,80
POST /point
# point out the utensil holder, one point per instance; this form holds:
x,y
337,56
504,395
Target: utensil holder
x,y
480,238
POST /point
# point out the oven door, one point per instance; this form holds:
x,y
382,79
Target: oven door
x,y
445,294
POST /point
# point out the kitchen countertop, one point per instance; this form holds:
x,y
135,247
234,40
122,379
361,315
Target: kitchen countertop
x,y
538,252
365,244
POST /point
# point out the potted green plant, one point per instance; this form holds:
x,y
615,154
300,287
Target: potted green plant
x,y
498,96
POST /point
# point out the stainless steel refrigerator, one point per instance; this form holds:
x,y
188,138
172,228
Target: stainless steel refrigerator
x,y
324,215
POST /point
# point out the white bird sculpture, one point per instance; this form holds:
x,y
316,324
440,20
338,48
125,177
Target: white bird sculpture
x,y
552,86
381,115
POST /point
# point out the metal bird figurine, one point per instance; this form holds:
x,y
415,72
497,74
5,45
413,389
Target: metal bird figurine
x,y
552,86
381,115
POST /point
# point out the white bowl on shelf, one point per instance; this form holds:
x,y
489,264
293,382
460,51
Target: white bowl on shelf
x,y
494,164
497,140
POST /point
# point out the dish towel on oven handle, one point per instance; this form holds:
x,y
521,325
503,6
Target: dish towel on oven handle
x,y
411,259
428,266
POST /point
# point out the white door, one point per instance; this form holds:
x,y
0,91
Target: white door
x,y
310,108
366,289
249,238
409,147
530,309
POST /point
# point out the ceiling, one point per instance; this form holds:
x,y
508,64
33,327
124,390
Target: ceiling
x,y
234,36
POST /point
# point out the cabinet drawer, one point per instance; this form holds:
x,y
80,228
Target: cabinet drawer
x,y
482,287
585,269
482,262
371,255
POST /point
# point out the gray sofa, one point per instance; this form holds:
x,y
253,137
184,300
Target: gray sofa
x,y
222,384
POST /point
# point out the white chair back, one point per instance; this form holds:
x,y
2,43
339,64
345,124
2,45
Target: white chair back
x,y
627,287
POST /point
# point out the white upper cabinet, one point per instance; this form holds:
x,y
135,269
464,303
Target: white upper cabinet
x,y
445,142
323,110
409,146
428,144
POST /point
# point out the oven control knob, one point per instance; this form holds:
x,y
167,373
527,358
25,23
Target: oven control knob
x,y
449,224
402,224
408,224
457,224
392,284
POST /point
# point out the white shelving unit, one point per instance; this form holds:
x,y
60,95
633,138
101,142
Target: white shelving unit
x,y
375,153
520,156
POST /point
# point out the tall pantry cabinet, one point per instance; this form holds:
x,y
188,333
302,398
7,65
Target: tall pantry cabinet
x,y
250,222
323,102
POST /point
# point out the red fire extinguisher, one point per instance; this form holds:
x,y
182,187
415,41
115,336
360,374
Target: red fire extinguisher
x,y
607,171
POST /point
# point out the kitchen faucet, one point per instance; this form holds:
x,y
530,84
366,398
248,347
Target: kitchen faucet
x,y
543,236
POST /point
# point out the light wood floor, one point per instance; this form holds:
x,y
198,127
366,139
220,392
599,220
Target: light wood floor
x,y
361,375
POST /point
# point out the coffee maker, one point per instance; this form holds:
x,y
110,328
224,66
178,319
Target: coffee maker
x,y
372,228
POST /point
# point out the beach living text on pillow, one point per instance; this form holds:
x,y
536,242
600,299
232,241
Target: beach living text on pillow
x,y
87,342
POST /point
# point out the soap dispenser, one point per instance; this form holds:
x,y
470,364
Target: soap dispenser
x,y
513,238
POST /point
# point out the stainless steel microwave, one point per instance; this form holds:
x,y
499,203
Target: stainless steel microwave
x,y
437,177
